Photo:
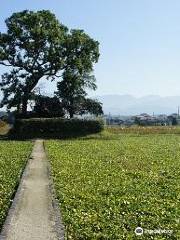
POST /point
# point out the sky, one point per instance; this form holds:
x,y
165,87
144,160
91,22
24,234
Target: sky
x,y
139,41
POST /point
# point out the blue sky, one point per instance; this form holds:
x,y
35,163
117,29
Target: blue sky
x,y
139,40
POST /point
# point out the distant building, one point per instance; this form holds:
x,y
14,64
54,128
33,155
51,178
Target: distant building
x,y
143,119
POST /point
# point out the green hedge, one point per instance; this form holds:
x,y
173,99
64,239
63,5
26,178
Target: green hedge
x,y
54,128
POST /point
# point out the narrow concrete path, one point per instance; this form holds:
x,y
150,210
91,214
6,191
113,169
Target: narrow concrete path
x,y
33,215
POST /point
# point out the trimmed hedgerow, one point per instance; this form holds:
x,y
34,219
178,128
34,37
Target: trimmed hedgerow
x,y
54,128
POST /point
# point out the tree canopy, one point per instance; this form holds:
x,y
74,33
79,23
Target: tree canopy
x,y
81,52
35,46
32,48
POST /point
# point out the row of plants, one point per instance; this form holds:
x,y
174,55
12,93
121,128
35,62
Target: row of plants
x,y
144,130
13,158
108,187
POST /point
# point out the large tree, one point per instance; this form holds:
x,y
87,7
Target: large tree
x,y
32,48
81,54
72,90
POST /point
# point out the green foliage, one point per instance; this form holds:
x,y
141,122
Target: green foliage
x,y
81,52
71,91
36,45
90,106
54,128
32,48
13,157
48,107
109,184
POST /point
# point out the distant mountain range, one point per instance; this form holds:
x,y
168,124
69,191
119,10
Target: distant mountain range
x,y
130,105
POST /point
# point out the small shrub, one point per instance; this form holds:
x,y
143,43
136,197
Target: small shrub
x,y
2,124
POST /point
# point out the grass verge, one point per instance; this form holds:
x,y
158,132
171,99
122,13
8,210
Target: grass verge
x,y
13,158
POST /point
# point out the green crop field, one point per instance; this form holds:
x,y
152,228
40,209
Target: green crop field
x,y
13,157
110,184
140,130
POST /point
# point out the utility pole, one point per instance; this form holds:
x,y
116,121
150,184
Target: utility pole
x,y
178,111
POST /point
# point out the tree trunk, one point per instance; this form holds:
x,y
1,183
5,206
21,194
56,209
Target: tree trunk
x,y
71,108
24,105
18,108
71,113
